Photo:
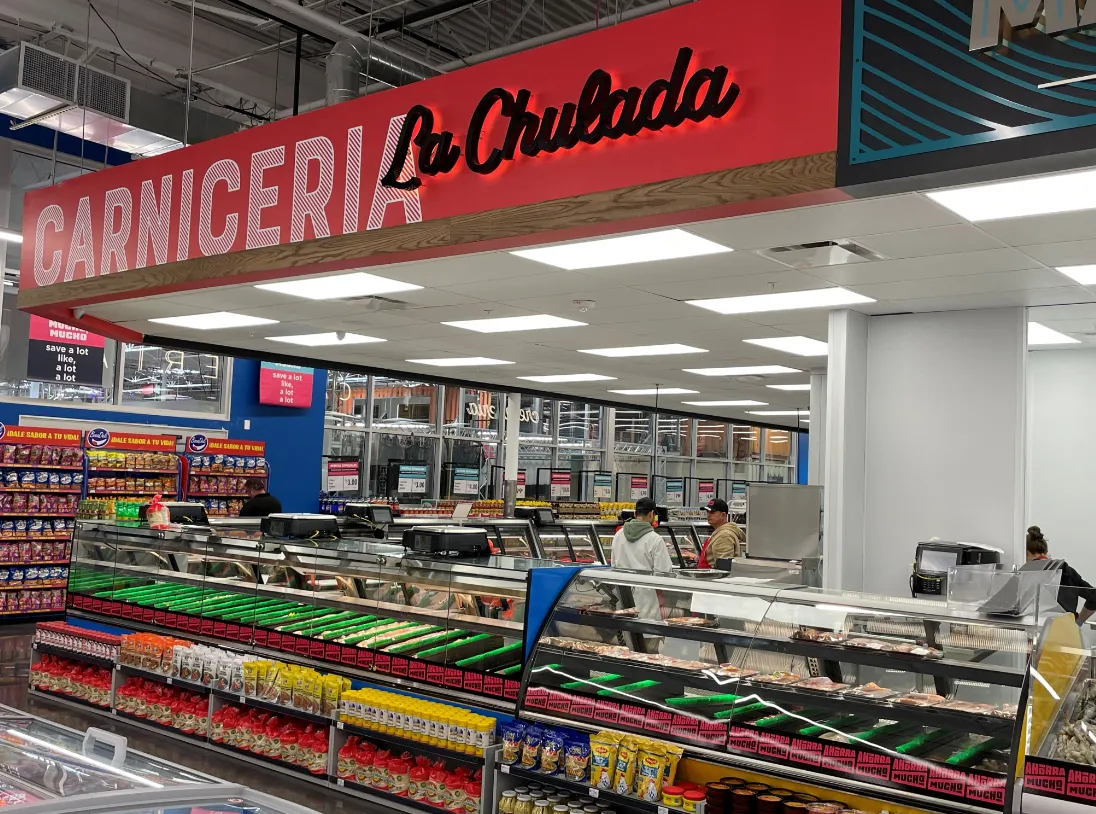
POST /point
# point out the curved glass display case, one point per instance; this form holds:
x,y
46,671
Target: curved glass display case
x,y
896,698
367,605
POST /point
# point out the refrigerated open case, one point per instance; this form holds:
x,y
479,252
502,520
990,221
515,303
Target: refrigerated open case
x,y
894,699
453,627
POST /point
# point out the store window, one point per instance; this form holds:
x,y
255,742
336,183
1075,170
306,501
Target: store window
x,y
779,456
401,466
535,419
711,439
632,432
746,453
673,435
347,399
172,379
472,413
401,404
468,468
536,461
579,425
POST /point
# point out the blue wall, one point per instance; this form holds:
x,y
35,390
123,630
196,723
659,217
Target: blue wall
x,y
294,437
804,451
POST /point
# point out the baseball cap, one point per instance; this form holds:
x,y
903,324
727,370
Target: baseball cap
x,y
717,505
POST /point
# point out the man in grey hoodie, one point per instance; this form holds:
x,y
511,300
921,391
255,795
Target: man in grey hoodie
x,y
638,547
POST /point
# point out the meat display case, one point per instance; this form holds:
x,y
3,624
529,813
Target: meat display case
x,y
897,699
456,626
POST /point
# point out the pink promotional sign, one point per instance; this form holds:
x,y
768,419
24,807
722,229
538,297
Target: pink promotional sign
x,y
285,385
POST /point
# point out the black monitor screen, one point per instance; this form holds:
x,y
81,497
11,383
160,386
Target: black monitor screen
x,y
382,515
935,561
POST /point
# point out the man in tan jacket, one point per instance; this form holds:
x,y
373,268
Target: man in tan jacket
x,y
727,539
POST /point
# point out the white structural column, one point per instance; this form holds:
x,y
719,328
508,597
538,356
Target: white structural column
x,y
941,430
816,451
843,445
510,464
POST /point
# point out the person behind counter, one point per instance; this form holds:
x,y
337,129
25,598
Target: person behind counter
x,y
727,538
637,545
259,502
1073,586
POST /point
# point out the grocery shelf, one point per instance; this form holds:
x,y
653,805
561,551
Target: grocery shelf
x,y
412,746
620,802
182,683
277,709
86,658
269,761
72,699
22,563
36,585
77,468
159,727
126,471
39,490
38,514
216,494
384,796
948,668
127,493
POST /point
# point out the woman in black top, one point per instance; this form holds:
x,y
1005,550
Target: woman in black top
x,y
1072,588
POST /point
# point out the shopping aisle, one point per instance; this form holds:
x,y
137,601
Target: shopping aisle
x,y
15,649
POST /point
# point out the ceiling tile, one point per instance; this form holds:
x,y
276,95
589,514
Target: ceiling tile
x,y
959,237
556,282
967,284
779,281
1071,253
922,268
1005,299
1057,228
826,222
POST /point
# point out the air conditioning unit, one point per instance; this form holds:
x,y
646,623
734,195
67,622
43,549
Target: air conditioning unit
x,y
61,93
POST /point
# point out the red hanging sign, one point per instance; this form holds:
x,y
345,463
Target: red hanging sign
x,y
100,438
40,435
322,173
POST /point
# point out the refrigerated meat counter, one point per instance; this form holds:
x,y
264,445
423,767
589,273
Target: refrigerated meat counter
x,y
897,700
451,626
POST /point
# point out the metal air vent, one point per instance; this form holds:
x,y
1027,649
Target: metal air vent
x,y
45,72
103,93
373,304
821,253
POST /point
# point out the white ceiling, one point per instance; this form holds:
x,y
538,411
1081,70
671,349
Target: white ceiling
x,y
933,261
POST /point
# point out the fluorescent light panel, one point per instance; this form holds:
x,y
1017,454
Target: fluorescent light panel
x,y
214,321
740,403
468,361
800,413
670,244
534,322
661,391
789,386
799,345
1042,335
330,338
1065,192
644,350
786,301
1085,275
749,370
339,286
568,377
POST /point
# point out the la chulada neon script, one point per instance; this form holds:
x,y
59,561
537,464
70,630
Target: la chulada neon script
x,y
600,113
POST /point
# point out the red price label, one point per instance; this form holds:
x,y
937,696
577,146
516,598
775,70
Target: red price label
x,y
365,658
417,670
492,685
473,682
399,666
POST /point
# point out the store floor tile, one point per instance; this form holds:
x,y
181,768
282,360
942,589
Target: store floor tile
x,y
13,692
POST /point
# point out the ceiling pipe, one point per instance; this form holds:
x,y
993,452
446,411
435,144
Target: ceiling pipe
x,y
506,50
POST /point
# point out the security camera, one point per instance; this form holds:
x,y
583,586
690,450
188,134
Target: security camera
x,y
340,335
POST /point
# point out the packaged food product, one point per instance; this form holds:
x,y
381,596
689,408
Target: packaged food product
x,y
821,684
671,796
873,691
551,751
693,801
576,761
603,756
779,677
920,699
530,747
650,769
673,758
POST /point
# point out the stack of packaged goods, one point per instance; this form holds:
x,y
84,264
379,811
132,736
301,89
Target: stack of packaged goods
x,y
612,510
295,688
62,676
27,503
132,485
34,552
124,510
217,481
576,510
284,739
416,777
627,765
149,651
64,636
172,707
415,719
144,462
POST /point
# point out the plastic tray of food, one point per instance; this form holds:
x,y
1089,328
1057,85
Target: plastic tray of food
x,y
821,684
920,699
871,691
780,677
809,634
730,671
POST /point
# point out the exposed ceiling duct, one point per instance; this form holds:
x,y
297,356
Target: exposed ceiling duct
x,y
344,68
41,87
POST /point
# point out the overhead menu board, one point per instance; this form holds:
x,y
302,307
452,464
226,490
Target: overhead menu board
x,y
561,484
465,480
603,486
63,354
412,480
343,476
639,487
675,492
